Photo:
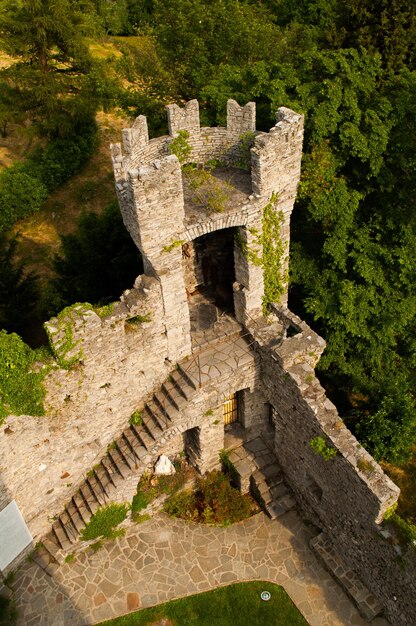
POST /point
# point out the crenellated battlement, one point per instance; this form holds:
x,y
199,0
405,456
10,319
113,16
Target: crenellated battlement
x,y
161,210
219,143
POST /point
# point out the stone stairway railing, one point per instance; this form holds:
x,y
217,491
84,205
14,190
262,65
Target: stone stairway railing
x,y
134,449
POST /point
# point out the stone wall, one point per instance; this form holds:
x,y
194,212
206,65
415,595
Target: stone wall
x,y
346,496
44,458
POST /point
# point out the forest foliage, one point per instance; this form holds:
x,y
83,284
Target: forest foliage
x,y
347,65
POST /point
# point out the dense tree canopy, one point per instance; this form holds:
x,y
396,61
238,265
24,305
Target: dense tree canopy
x,y
349,66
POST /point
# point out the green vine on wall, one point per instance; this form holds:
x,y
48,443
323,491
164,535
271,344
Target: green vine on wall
x,y
21,389
272,257
273,254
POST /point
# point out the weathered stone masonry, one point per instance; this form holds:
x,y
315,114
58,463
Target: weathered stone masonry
x,y
121,358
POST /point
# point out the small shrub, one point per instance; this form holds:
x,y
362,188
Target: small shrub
x,y
180,146
214,501
319,446
246,140
70,557
140,319
365,466
139,502
104,521
406,529
171,246
8,612
228,467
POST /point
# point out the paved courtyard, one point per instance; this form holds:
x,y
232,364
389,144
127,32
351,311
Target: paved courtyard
x,y
164,558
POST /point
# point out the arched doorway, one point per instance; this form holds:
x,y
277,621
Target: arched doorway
x,y
209,268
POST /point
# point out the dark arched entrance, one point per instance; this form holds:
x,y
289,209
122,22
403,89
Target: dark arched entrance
x,y
209,268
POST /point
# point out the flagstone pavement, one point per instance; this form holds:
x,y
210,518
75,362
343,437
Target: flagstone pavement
x,y
165,558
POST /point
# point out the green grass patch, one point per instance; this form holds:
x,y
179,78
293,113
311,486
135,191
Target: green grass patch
x,y
236,604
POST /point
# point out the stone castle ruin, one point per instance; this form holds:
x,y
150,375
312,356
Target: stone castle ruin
x,y
189,341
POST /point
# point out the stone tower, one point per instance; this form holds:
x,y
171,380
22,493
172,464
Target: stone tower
x,y
162,219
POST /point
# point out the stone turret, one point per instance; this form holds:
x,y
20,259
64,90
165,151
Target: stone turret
x,y
150,190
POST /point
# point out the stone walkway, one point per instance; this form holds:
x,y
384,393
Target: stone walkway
x,y
163,558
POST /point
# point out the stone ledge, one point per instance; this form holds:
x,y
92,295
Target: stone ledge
x,y
367,604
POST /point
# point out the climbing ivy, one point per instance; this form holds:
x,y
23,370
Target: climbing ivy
x,y
21,390
272,257
273,251
67,343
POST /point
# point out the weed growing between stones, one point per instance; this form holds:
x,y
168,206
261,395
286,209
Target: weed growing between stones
x,y
104,522
136,419
319,446
180,146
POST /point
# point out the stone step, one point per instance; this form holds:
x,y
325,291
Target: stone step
x,y
154,418
188,377
97,489
101,474
114,477
182,385
119,462
135,442
83,509
90,499
154,408
172,395
151,426
50,543
281,506
63,539
75,516
146,439
165,407
68,525
127,453
366,602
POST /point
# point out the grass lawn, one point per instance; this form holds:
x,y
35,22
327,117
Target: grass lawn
x,y
238,604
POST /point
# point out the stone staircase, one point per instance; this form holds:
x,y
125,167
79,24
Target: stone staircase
x,y
366,602
271,492
124,456
260,474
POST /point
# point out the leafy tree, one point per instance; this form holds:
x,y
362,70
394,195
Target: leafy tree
x,y
21,390
97,263
196,36
18,289
49,78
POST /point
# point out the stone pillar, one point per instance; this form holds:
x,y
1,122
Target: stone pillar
x,y
254,408
211,441
249,285
204,443
275,173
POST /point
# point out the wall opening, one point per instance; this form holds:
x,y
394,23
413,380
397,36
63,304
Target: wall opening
x,y
192,446
209,268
